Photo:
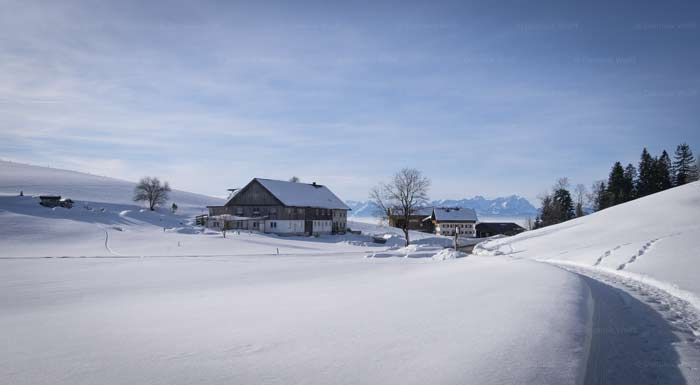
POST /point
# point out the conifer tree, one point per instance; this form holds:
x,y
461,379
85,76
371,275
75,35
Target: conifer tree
x,y
663,172
629,191
547,215
616,184
646,182
564,205
684,170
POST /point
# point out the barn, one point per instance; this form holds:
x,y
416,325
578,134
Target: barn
x,y
281,207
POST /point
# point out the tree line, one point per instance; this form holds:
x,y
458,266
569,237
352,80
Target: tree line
x,y
625,183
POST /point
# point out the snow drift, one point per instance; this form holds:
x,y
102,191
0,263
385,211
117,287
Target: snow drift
x,y
655,238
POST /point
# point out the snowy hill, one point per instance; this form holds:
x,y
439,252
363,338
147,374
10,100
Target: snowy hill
x,y
37,180
507,207
653,239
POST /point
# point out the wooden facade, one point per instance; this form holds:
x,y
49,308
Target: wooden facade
x,y
254,207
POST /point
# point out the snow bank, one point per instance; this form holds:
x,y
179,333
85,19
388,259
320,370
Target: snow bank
x,y
446,254
419,251
655,238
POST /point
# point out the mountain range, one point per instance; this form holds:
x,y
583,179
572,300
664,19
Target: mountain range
x,y
510,206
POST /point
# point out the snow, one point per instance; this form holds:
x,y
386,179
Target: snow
x,y
107,292
446,254
410,251
648,250
455,214
36,180
655,236
303,194
280,320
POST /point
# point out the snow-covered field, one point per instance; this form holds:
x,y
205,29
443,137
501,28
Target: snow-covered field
x,y
109,293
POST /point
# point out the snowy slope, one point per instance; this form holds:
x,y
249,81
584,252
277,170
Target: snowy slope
x,y
656,237
37,180
641,262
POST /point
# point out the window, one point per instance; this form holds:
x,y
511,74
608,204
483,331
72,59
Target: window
x,y
256,211
239,211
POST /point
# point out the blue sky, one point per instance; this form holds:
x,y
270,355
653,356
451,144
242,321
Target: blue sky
x,y
489,98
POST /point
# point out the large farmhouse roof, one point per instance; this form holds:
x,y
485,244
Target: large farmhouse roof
x,y
303,194
455,214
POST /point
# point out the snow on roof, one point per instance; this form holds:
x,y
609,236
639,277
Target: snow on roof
x,y
455,214
426,211
445,213
232,192
303,194
499,226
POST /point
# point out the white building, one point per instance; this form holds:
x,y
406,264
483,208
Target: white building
x,y
451,220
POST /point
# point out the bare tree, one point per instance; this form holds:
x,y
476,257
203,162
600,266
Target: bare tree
x,y
562,184
403,195
294,179
580,194
530,223
149,189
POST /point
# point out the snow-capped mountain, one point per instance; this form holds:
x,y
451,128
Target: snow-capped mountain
x,y
511,206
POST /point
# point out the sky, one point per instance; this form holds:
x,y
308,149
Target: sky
x,y
485,98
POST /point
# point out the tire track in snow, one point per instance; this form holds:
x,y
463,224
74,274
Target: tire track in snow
x,y
641,333
107,247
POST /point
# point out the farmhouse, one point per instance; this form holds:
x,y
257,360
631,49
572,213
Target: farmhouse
x,y
438,220
275,206
451,220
